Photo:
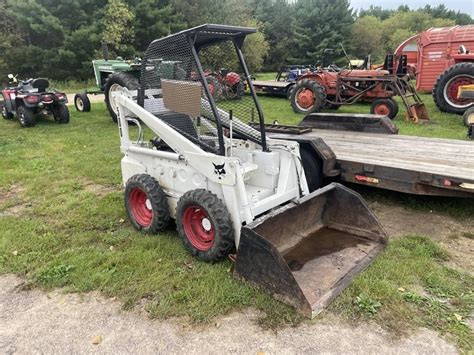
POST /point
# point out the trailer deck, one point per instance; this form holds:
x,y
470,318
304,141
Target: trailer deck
x,y
272,87
419,165
366,149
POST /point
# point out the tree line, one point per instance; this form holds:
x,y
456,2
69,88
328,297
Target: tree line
x,y
59,38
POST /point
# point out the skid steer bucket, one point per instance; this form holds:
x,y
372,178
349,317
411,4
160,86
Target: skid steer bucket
x,y
306,253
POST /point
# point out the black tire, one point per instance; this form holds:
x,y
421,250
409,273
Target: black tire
x,y
312,168
26,116
386,107
468,117
289,90
114,81
82,102
318,93
146,204
194,208
60,113
442,95
5,114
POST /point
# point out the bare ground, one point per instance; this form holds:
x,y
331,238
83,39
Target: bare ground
x,y
399,221
33,320
92,98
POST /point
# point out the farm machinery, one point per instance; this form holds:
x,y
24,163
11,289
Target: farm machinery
x,y
333,87
284,80
31,98
110,75
232,190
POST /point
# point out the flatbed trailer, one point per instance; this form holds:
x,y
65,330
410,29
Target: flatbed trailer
x,y
273,87
410,164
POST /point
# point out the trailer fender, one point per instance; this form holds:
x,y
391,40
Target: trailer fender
x,y
317,146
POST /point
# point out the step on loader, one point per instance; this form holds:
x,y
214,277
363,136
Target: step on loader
x,y
231,189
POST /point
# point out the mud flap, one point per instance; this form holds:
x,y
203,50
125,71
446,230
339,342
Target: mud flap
x,y
306,253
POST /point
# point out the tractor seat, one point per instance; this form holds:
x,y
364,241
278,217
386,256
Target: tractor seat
x,y
41,84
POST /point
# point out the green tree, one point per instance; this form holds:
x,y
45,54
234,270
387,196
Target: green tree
x,y
367,37
321,24
118,25
155,19
277,24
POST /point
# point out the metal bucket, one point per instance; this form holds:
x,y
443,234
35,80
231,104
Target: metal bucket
x,y
306,253
417,113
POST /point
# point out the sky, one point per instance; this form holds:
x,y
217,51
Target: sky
x,y
466,6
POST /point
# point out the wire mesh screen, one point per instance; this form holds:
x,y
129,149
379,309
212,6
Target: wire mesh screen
x,y
228,85
173,89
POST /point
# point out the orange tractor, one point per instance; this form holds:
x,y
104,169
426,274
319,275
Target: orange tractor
x,y
333,87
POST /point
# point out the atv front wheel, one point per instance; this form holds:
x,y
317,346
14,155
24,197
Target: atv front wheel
x,y
82,102
26,116
60,113
384,107
146,204
116,82
307,96
204,225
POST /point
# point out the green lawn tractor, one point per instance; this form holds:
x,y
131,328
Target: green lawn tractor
x,y
110,75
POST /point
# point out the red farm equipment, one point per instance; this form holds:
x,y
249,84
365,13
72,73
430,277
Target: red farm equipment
x,y
443,63
332,88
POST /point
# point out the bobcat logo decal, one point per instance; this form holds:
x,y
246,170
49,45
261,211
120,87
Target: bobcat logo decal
x,y
219,170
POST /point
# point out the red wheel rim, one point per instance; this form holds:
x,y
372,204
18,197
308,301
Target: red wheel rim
x,y
452,88
198,227
140,207
305,98
382,109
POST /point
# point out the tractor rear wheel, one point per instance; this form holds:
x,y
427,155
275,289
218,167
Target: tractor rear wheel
x,y
116,82
307,96
82,102
26,116
468,117
146,204
60,113
384,107
445,91
204,225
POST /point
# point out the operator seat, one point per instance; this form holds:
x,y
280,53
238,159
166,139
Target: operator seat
x,y
41,84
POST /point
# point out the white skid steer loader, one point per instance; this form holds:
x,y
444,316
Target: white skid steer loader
x,y
229,188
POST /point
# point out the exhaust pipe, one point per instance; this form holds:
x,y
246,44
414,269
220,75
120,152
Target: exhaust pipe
x,y
305,253
105,51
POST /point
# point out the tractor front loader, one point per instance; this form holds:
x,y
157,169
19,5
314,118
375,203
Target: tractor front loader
x,y
230,189
333,87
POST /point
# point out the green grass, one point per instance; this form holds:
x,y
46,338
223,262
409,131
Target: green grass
x,y
64,234
408,286
72,86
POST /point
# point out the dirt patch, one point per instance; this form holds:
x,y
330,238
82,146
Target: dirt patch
x,y
13,191
13,200
99,189
55,322
452,233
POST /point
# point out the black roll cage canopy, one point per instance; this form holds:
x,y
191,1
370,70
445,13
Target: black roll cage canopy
x,y
206,35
